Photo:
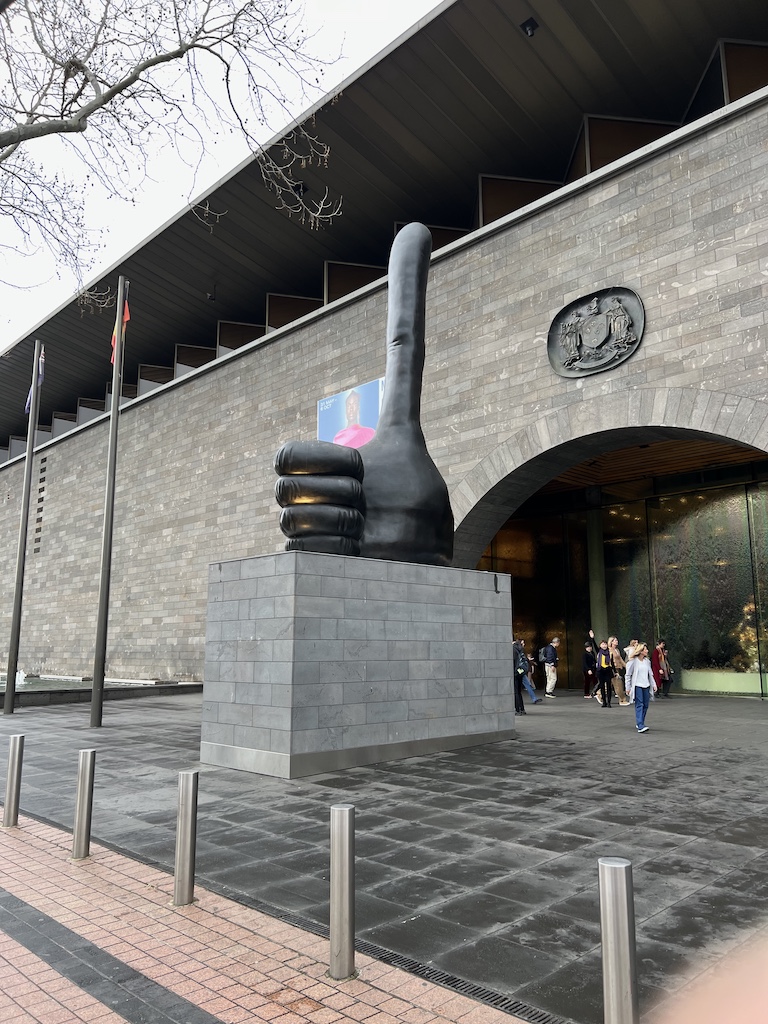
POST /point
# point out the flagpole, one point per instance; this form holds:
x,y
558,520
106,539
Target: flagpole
x,y
13,646
100,657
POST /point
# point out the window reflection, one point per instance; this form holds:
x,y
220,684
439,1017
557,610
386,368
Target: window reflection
x,y
689,568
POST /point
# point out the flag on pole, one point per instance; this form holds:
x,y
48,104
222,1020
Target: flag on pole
x,y
126,318
40,378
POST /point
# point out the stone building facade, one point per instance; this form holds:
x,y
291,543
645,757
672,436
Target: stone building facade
x,y
683,223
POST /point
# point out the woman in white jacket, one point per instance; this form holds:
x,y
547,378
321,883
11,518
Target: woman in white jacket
x,y
639,683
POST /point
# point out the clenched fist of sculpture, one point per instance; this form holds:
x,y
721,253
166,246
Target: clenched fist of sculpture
x,y
386,499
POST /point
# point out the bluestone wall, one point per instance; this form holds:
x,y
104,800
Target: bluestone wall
x,y
685,227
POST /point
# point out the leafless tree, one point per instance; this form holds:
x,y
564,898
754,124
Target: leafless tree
x,y
118,80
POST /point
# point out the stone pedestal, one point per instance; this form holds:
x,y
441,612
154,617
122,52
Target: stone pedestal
x,y
319,662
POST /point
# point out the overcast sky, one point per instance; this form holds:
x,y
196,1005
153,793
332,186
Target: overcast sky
x,y
357,29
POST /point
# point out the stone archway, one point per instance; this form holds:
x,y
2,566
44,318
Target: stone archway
x,y
532,456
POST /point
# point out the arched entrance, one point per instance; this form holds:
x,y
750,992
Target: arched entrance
x,y
652,531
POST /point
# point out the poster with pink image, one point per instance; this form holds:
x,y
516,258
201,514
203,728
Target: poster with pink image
x,y
350,417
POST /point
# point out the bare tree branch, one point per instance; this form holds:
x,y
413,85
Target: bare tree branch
x,y
96,300
117,78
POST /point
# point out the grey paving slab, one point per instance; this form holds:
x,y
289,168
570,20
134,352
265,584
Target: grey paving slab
x,y
481,862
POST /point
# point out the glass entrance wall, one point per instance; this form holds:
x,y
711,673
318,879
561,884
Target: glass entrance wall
x,y
575,596
757,504
627,572
703,589
691,569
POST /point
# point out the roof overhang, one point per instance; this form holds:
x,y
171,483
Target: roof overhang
x,y
465,92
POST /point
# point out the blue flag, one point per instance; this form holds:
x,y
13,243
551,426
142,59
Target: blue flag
x,y
40,378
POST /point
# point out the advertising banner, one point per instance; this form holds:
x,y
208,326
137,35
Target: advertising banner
x,y
350,418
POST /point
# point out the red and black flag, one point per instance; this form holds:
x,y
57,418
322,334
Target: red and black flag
x,y
126,318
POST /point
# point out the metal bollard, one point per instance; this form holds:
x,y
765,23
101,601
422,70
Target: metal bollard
x,y
186,839
617,929
342,963
81,833
13,782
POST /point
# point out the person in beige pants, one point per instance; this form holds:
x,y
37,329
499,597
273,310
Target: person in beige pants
x,y
550,666
619,670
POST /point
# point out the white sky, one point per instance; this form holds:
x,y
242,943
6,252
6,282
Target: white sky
x,y
356,28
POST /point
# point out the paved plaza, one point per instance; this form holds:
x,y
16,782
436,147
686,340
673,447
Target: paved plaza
x,y
479,865
97,940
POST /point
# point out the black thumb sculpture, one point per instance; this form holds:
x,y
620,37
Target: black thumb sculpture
x,y
386,499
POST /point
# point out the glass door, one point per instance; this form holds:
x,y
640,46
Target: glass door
x,y
757,504
627,573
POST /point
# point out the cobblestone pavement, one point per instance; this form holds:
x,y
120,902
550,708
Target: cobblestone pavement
x,y
477,865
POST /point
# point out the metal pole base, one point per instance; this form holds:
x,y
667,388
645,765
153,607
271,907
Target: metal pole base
x,y
342,957
81,833
186,839
617,930
13,782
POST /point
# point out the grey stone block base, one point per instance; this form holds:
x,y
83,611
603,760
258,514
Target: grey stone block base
x,y
287,766
320,662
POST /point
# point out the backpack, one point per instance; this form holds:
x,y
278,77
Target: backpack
x,y
543,653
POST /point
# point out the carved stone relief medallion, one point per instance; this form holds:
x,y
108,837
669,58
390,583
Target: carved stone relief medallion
x,y
596,332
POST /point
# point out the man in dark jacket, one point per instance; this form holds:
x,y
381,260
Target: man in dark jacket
x,y
589,666
595,692
520,671
526,678
550,666
605,673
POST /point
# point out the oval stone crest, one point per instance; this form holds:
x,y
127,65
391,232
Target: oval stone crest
x,y
596,332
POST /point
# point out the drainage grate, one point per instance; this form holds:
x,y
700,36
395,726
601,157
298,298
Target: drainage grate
x,y
466,988
450,981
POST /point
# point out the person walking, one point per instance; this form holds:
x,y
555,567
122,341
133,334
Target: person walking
x,y
520,670
604,674
629,653
530,682
588,667
527,679
669,671
640,684
658,665
550,666
630,649
595,647
619,671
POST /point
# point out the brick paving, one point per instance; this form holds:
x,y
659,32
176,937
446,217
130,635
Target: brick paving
x,y
229,961
478,864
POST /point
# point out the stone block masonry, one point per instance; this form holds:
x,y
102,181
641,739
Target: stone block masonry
x,y
319,662
195,482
